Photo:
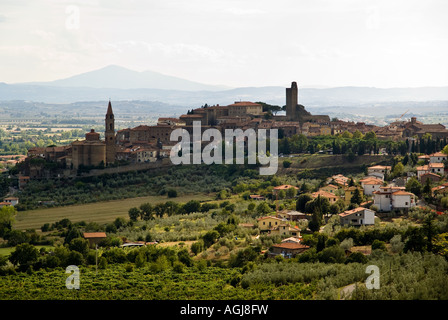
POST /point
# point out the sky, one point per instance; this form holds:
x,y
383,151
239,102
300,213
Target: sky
x,y
392,43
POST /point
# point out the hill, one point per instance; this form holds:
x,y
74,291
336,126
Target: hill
x,y
117,77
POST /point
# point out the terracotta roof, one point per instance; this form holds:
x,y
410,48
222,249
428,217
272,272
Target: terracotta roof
x,y
91,235
267,217
438,154
325,194
284,187
244,103
436,165
349,212
402,193
290,245
380,167
373,182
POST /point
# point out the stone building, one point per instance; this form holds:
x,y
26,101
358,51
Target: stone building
x,y
89,152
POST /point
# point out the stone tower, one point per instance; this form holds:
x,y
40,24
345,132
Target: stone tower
x,y
291,101
110,135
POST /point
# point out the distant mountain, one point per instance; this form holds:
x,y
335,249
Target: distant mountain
x,y
118,77
118,83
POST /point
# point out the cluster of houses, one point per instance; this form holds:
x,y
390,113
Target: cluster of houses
x,y
373,188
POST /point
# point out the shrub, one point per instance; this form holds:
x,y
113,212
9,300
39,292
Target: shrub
x,y
378,245
197,247
172,193
333,254
178,267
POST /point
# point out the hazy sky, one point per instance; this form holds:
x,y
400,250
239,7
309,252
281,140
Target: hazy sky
x,y
393,43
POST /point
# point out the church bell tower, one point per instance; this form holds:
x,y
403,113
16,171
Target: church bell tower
x,y
110,135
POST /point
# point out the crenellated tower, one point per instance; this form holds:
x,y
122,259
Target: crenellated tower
x,y
291,101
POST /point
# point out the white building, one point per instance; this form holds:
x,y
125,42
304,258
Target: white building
x,y
378,171
437,157
358,217
390,198
433,167
370,185
12,200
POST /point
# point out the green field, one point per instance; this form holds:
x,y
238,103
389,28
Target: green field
x,y
100,212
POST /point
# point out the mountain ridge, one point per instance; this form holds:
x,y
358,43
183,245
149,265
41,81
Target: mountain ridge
x,y
113,76
119,83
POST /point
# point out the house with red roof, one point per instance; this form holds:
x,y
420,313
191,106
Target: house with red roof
x,y
357,217
287,249
389,198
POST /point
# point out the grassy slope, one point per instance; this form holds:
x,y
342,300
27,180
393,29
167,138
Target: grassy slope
x,y
100,212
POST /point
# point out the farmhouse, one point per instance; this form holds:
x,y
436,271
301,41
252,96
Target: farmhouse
x,y
269,222
437,157
438,168
94,237
389,198
331,188
288,249
358,217
285,229
12,200
379,171
370,185
330,196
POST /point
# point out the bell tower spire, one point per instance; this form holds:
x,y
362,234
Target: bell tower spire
x,y
110,134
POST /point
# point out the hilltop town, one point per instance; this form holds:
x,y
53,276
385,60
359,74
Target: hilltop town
x,y
151,143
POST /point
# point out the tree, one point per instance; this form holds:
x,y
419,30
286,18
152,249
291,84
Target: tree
x,y
333,254
24,255
146,211
414,186
378,245
356,197
263,208
7,218
302,200
315,222
192,206
172,193
72,233
430,231
287,163
242,257
134,213
291,193
210,237
398,170
370,136
80,245
415,240
197,247
445,149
